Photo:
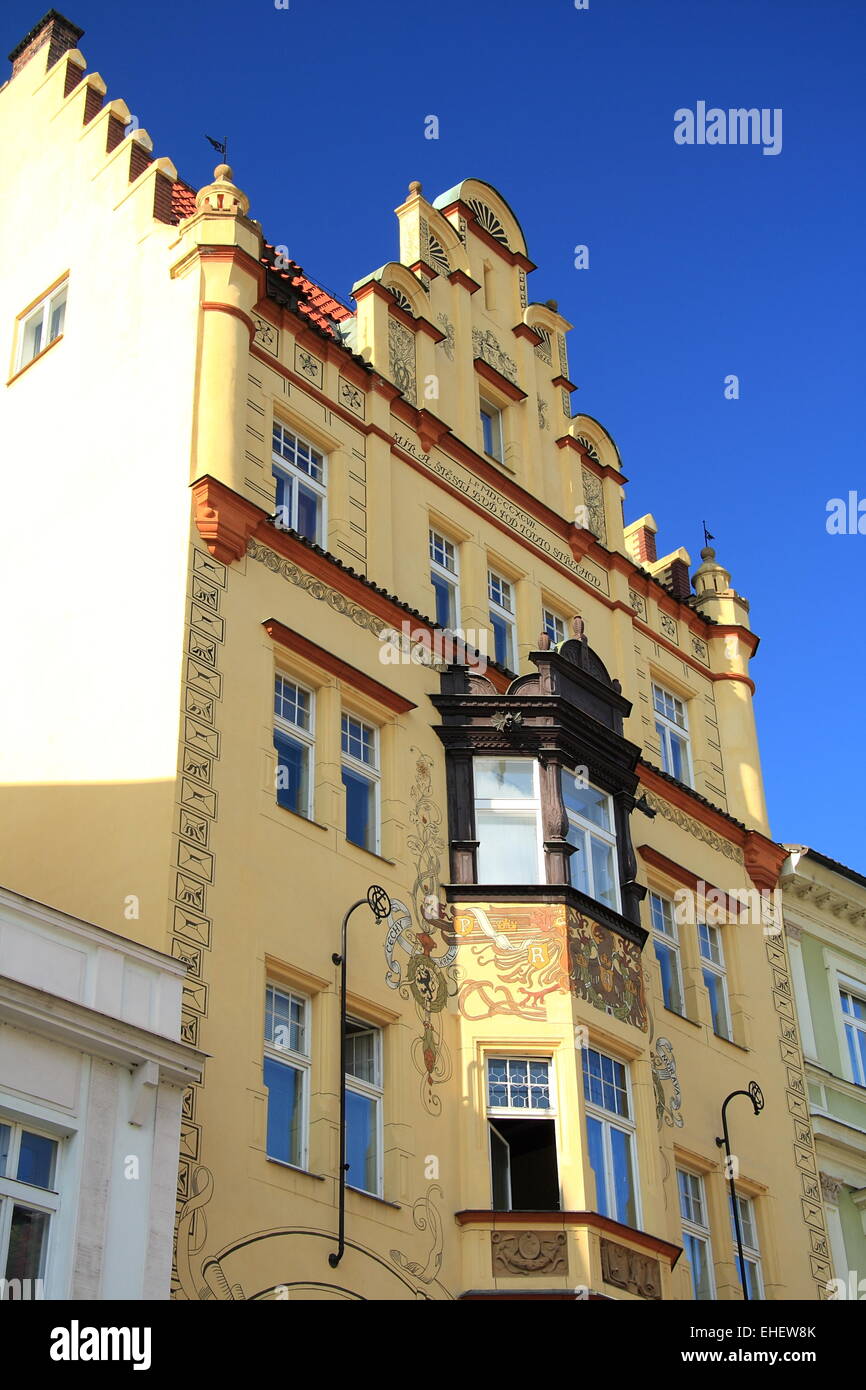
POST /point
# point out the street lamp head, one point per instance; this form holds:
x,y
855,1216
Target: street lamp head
x,y
756,1096
379,902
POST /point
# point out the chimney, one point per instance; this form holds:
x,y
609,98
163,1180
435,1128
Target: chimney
x,y
59,33
640,540
678,579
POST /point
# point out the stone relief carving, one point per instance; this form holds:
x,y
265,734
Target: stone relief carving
x,y
593,496
485,346
401,358
529,1253
630,1270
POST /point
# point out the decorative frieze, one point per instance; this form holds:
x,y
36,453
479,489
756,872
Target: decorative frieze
x,y
266,335
485,346
529,1254
352,397
694,827
309,366
630,1270
401,358
593,496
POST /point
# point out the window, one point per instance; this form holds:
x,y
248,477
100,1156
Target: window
x,y
590,828
696,1233
672,727
854,1018
28,1200
501,595
610,1136
508,821
667,948
287,1074
364,1106
299,470
491,430
443,577
294,708
715,979
751,1252
554,626
522,1136
41,326
361,780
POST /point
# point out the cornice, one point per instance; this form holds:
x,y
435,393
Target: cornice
x,y
294,641
85,1030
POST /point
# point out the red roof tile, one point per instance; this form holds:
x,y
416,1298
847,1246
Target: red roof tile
x,y
315,303
182,200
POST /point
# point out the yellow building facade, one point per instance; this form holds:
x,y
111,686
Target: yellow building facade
x,y
247,519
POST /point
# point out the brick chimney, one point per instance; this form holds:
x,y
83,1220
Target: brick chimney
x,y
678,578
59,33
640,540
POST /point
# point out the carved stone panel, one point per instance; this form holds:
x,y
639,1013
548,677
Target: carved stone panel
x,y
401,358
528,1253
630,1270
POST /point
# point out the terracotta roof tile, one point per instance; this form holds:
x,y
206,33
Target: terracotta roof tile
x,y
182,200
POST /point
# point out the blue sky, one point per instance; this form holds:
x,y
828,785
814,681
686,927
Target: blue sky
x,y
705,261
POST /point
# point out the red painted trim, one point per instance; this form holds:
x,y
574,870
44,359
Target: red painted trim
x,y
564,383
684,876
602,470
212,305
226,521
593,1219
687,801
293,641
459,277
496,379
525,330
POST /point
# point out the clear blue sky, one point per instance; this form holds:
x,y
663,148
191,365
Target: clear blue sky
x,y
704,261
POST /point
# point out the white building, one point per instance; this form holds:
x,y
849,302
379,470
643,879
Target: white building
x,y
92,1077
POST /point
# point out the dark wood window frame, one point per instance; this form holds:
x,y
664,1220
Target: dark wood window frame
x,y
568,714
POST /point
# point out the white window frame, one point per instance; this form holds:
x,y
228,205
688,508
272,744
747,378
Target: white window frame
x,y
698,1230
16,1193
719,969
855,989
498,608
506,804
497,433
587,829
510,1112
288,471
751,1251
550,619
371,771
42,311
288,1056
610,1119
667,935
305,736
449,576
374,1091
672,721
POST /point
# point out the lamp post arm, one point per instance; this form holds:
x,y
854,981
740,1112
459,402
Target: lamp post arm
x,y
380,905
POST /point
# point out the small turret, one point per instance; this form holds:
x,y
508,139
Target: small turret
x,y
714,595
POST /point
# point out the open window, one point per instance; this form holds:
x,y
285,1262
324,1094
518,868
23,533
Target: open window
x,y
523,1166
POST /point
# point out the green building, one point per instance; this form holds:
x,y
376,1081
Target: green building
x,y
824,906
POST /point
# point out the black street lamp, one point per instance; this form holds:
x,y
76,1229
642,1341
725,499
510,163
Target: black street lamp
x,y
756,1096
380,905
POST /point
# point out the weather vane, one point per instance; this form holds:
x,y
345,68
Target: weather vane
x,y
221,146
707,535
